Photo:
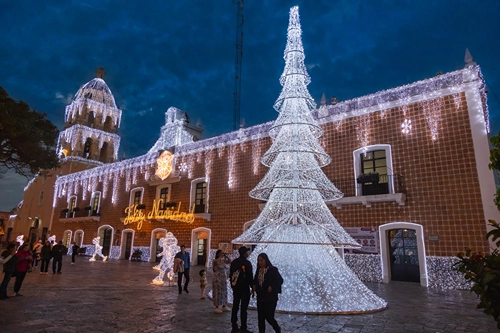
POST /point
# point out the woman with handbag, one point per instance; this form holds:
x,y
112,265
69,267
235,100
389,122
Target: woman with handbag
x,y
267,283
24,259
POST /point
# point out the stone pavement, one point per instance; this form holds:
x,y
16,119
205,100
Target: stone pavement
x,y
117,296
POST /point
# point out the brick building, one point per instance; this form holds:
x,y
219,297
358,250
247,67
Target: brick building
x,y
427,142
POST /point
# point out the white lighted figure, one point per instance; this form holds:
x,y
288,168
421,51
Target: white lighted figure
x,y
98,249
170,248
20,240
52,239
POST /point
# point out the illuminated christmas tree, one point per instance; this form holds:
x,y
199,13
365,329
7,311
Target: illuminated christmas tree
x,y
296,228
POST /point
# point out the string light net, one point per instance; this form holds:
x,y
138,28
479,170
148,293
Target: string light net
x,y
296,228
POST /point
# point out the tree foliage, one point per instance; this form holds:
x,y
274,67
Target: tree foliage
x,y
27,138
483,270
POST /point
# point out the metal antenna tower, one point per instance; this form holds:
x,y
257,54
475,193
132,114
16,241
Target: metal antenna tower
x,y
237,64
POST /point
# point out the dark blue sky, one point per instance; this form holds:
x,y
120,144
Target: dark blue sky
x,y
159,54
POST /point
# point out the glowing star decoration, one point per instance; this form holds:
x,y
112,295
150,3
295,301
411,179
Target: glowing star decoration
x,y
98,249
406,126
165,162
296,228
169,250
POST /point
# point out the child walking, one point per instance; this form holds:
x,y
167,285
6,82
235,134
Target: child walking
x,y
203,283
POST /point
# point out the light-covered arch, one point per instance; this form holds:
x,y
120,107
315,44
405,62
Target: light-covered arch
x,y
152,246
385,253
123,243
194,242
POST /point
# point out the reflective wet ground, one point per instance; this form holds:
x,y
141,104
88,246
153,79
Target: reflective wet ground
x,y
116,296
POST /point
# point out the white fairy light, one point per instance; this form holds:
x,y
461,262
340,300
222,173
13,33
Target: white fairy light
x,y
432,114
256,152
97,249
231,161
296,228
363,130
209,160
169,250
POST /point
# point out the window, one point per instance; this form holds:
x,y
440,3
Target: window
x,y
95,203
369,160
136,195
200,197
72,204
164,197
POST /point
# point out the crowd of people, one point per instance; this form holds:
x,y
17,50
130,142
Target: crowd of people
x,y
19,259
265,284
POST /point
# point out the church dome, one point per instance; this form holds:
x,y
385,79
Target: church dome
x,y
96,90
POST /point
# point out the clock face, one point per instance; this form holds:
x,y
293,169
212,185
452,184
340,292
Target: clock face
x,y
164,164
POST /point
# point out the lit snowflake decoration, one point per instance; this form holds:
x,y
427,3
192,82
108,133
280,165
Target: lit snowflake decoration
x,y
406,126
98,249
183,167
164,164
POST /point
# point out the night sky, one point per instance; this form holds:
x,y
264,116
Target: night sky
x,y
159,54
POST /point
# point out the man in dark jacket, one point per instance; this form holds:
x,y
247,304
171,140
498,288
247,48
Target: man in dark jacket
x,y
9,261
57,252
184,256
241,276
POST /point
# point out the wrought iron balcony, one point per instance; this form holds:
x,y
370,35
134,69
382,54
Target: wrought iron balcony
x,y
387,188
78,215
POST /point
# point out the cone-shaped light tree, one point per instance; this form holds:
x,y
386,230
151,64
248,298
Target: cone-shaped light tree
x,y
296,228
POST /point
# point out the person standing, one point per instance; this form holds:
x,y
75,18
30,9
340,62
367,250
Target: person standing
x,y
184,256
24,259
241,282
219,281
9,261
37,249
57,252
267,283
74,252
45,256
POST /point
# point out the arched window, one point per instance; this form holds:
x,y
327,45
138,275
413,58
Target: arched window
x,y
199,195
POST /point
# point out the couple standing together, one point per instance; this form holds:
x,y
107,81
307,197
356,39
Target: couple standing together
x,y
266,283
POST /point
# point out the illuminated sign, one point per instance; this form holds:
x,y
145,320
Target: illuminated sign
x,y
164,164
138,216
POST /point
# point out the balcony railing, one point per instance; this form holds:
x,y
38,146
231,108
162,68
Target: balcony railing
x,y
79,215
388,188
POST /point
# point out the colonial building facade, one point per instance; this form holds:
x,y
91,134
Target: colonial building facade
x,y
411,161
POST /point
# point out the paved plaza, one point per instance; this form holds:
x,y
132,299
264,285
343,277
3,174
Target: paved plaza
x,y
116,296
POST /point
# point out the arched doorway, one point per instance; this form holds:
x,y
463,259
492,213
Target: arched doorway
x,y
106,232
200,246
127,243
403,252
78,238
155,247
66,239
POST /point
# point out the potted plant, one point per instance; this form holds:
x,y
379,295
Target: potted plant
x,y
141,206
136,255
371,177
65,210
76,209
170,204
87,208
